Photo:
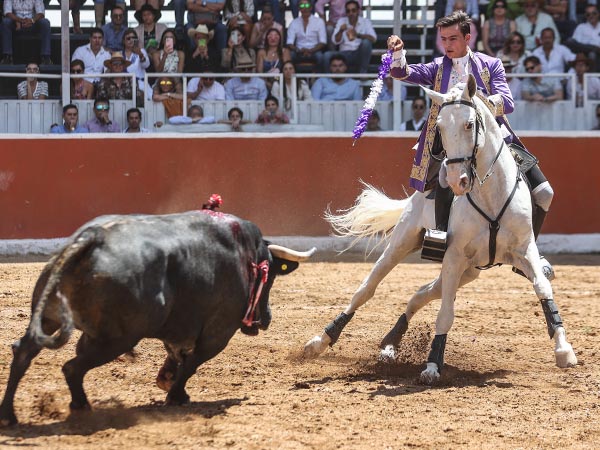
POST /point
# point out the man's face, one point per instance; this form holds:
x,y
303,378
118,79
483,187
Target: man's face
x,y
208,81
337,66
96,41
117,66
101,109
266,20
352,12
418,109
455,44
147,17
134,120
195,113
531,8
591,15
234,115
117,16
547,39
305,8
271,106
581,67
70,116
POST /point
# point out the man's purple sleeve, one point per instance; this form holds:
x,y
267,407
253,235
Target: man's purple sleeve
x,y
498,85
423,74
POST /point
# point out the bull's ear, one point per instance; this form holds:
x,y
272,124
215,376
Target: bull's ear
x,y
283,266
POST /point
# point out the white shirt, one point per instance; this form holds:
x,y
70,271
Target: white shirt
x,y
585,33
138,67
315,33
363,26
556,61
93,63
531,31
215,92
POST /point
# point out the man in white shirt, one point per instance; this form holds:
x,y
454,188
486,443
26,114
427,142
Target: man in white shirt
x,y
335,11
134,122
205,88
554,57
307,38
355,36
586,37
532,22
93,54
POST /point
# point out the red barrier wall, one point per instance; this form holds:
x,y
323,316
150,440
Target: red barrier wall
x,y
50,186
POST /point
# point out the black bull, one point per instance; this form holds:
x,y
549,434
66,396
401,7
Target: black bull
x,y
187,279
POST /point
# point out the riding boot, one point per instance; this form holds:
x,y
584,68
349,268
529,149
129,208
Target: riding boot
x,y
434,241
537,221
443,202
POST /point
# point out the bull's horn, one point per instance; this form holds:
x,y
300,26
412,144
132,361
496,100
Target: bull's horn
x,y
289,254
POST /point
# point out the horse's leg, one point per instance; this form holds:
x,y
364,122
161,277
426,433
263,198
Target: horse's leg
x,y
406,238
453,268
563,351
422,297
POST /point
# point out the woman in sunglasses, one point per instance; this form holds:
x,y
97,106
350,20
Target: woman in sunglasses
x,y
32,88
495,30
514,50
81,89
169,91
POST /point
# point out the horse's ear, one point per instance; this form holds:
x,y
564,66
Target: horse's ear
x,y
472,86
435,97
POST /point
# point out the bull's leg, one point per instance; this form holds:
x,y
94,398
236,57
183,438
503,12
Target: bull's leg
x,y
24,351
91,353
453,268
164,379
427,293
406,238
563,351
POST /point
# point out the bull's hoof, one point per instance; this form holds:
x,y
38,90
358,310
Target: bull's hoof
x,y
565,357
164,380
80,406
316,346
388,355
8,420
430,375
177,400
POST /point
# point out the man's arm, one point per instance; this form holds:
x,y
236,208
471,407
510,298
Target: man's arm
x,y
500,94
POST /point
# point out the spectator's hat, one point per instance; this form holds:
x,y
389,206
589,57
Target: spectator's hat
x,y
582,57
507,63
116,56
147,7
201,29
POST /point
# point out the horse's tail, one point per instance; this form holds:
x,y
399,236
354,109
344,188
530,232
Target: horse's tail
x,y
373,214
61,263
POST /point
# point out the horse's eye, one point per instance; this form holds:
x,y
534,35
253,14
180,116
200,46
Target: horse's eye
x,y
469,126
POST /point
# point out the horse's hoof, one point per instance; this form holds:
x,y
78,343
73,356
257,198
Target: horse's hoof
x,y
429,376
565,357
315,347
388,355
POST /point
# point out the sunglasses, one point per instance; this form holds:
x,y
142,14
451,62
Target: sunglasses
x,y
166,83
418,107
304,5
530,68
32,69
130,38
530,5
591,14
352,10
208,78
102,107
516,41
76,71
117,16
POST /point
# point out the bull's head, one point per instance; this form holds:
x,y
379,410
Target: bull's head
x,y
281,262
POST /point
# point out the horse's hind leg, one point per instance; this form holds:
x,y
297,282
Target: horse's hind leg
x,y
405,239
427,293
563,351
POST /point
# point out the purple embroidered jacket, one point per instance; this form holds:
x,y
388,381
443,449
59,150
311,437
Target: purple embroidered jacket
x,y
491,80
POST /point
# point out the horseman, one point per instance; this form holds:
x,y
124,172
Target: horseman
x,y
443,74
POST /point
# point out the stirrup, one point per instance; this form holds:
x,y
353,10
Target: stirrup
x,y
546,269
434,245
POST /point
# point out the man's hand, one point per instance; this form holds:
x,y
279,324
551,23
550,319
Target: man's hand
x,y
26,23
394,43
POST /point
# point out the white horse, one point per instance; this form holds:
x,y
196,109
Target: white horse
x,y
490,223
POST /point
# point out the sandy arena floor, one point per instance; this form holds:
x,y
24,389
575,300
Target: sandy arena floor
x,y
500,388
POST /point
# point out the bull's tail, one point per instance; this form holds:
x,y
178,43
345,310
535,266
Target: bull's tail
x,y
63,261
373,214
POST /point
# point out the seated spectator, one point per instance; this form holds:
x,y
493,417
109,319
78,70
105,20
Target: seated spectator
x,y
168,59
237,54
237,14
118,87
31,88
271,113
202,56
205,88
271,56
495,30
134,122
245,88
24,17
387,93
70,119
139,4
558,9
302,89
336,11
81,89
581,65
259,31
514,50
471,7
554,57
195,114
307,38
514,83
597,127
586,37
149,31
418,108
101,123
169,91
101,7
114,31
374,122
355,36
514,7
277,8
235,118
531,23
540,89
93,54
137,56
458,6
336,88
208,12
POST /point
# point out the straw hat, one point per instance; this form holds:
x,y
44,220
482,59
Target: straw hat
x,y
582,57
116,56
201,29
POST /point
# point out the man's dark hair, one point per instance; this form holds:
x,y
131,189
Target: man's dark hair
x,y
134,110
78,62
195,108
355,2
548,29
420,98
69,106
235,108
101,100
533,59
459,18
338,57
271,98
96,30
